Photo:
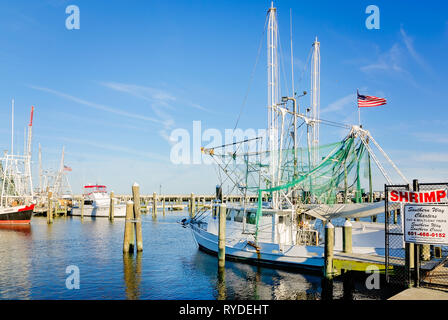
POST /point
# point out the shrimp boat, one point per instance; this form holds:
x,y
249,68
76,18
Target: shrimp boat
x,y
97,203
300,184
17,197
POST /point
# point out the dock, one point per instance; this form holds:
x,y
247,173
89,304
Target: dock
x,y
421,294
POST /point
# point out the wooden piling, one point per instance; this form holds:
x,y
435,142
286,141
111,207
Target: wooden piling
x,y
137,216
347,237
222,236
82,207
163,206
154,205
49,209
409,259
192,206
328,252
111,206
128,242
65,208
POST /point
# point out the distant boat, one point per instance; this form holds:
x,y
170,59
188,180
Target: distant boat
x,y
97,203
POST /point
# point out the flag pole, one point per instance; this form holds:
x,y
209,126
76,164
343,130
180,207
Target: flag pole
x,y
359,116
359,109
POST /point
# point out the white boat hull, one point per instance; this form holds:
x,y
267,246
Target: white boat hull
x,y
100,211
300,257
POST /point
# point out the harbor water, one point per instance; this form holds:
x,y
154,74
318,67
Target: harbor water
x,y
37,260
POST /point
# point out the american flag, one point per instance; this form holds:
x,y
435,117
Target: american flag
x,y
369,101
67,168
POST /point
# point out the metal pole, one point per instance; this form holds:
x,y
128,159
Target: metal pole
x,y
416,188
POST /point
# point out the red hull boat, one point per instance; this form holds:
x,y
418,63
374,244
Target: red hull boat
x,y
16,215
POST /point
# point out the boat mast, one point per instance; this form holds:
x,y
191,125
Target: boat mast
x,y
272,44
28,154
12,128
315,102
40,170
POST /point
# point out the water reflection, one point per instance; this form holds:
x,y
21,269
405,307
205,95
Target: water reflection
x,y
15,256
251,282
24,229
221,283
132,270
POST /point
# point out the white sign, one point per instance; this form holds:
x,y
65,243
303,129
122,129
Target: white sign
x,y
426,224
433,196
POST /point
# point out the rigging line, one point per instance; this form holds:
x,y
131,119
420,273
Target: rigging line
x,y
253,73
234,143
281,61
306,65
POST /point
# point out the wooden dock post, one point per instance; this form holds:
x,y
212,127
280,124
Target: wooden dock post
x,y
154,205
49,209
111,206
82,207
163,206
128,242
222,236
192,206
65,208
137,216
328,253
347,237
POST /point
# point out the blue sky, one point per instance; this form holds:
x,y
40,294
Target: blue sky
x,y
113,91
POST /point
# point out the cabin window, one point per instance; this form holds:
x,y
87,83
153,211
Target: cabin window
x,y
238,216
228,215
251,218
280,219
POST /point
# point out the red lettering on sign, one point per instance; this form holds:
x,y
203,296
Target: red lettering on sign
x,y
440,195
430,196
404,196
393,195
413,197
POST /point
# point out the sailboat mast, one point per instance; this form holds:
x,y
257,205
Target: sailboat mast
x,y
272,45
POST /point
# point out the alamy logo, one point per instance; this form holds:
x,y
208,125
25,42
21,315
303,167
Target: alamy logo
x,y
73,20
373,20
72,281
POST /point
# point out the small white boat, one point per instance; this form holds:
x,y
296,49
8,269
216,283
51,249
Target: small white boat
x,y
97,203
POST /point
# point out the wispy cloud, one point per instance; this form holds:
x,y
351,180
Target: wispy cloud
x,y
389,61
160,101
432,137
398,60
120,150
409,43
431,157
152,95
340,104
96,105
